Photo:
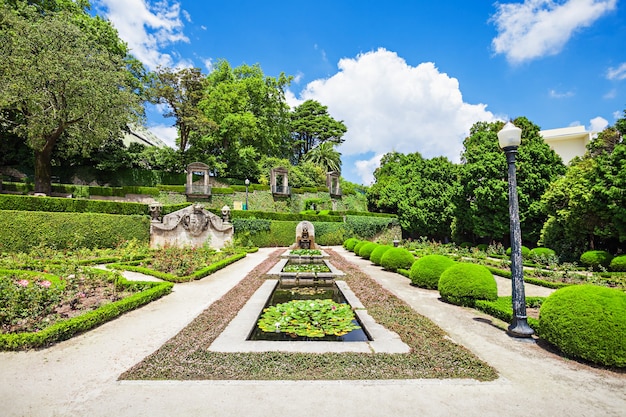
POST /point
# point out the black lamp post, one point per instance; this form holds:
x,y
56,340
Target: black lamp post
x,y
247,182
510,138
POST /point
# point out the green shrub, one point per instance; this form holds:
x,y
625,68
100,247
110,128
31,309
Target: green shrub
x,y
542,253
397,258
366,227
466,245
377,254
587,322
367,249
358,246
525,252
349,244
464,283
483,247
329,233
427,270
502,309
618,264
596,259
23,230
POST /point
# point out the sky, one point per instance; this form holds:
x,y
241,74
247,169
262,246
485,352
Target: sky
x,y
405,76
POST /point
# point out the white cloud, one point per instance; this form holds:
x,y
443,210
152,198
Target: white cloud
x,y
618,73
365,168
536,28
388,105
598,124
557,94
167,134
610,94
147,27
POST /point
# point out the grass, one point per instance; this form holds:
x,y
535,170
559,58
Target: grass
x,y
186,356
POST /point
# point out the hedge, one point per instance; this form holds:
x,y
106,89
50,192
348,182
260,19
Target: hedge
x,y
201,273
618,263
426,271
23,230
69,205
464,283
350,243
377,254
367,249
242,214
596,259
66,329
587,322
502,309
397,258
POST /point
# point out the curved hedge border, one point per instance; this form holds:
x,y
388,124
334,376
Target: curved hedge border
x,y
201,273
66,329
502,309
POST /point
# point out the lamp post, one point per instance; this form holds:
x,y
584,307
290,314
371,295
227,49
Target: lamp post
x,y
247,182
509,139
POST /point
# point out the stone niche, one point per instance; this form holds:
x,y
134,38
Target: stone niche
x,y
192,226
305,236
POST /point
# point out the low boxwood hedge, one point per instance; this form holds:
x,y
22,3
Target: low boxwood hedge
x,y
350,243
427,270
377,254
69,205
618,264
66,329
525,251
464,283
596,259
397,258
587,322
502,309
358,246
201,273
367,249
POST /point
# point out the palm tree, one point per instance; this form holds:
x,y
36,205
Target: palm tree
x,y
326,156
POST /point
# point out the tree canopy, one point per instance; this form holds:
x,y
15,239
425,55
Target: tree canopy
x,y
60,84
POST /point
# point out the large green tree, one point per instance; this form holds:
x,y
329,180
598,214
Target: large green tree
x,y
311,125
481,206
586,207
418,190
61,84
248,117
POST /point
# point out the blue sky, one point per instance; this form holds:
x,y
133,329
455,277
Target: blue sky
x,y
406,76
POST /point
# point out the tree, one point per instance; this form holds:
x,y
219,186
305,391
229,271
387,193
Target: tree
x,y
181,90
248,116
586,206
62,84
325,156
311,125
481,206
418,190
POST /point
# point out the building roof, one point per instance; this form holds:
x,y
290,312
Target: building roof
x,y
141,134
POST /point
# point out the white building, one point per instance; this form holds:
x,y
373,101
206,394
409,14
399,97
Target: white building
x,y
567,142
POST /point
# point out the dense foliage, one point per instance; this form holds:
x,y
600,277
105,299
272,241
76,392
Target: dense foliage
x,y
426,271
587,322
464,283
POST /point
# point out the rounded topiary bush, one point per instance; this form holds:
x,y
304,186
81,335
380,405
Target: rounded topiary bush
x,y
358,246
596,259
367,249
465,283
377,254
618,264
542,252
483,247
466,245
525,252
397,258
587,322
427,270
350,243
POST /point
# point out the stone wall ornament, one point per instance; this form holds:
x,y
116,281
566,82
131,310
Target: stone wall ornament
x,y
225,214
155,212
196,222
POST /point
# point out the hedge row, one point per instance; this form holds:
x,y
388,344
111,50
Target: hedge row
x,y
65,329
201,273
243,214
502,309
22,230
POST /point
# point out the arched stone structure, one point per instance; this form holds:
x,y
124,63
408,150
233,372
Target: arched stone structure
x,y
193,188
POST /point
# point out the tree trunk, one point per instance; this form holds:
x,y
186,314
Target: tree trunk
x,y
43,180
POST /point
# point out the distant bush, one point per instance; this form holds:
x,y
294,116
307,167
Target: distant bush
x,y
464,283
427,270
483,247
397,258
596,259
542,252
350,243
466,245
618,264
587,322
377,254
525,252
367,249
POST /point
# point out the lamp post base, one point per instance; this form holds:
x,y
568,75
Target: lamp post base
x,y
520,328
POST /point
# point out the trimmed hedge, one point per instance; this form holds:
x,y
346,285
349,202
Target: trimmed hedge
x,y
426,271
358,246
201,273
502,309
67,205
587,322
23,230
397,258
464,283
349,244
66,329
525,251
241,214
596,259
542,252
618,264
367,249
377,254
